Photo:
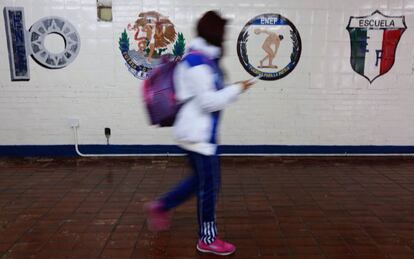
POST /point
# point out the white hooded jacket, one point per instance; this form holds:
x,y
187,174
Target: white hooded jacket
x,y
196,124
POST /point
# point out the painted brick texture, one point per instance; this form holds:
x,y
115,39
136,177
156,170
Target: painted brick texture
x,y
322,102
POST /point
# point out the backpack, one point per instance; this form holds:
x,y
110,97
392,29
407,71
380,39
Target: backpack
x,y
159,94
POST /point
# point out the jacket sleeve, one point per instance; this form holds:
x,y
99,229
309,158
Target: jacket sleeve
x,y
201,80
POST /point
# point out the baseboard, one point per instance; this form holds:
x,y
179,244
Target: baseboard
x,y
69,150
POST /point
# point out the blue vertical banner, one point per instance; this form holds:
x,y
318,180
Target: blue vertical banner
x,y
23,43
16,43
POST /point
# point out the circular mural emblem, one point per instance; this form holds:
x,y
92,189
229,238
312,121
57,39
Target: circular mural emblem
x,y
51,25
269,46
155,41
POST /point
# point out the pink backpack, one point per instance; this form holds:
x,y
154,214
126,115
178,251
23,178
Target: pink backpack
x,y
159,93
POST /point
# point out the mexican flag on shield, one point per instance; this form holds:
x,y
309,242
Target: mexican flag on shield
x,y
374,41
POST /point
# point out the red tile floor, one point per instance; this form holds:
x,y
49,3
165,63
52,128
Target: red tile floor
x,y
269,207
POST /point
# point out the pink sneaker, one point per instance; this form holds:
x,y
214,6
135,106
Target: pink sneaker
x,y
218,247
158,220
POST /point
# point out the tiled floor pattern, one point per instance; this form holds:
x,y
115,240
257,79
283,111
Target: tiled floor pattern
x,y
269,207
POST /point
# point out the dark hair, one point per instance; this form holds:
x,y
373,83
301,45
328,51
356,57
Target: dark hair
x,y
211,28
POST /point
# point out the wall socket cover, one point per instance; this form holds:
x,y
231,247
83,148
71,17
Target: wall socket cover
x,y
73,122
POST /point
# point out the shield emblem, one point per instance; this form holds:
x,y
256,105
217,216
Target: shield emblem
x,y
374,41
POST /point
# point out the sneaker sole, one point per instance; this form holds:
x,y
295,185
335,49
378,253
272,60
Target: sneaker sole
x,y
212,252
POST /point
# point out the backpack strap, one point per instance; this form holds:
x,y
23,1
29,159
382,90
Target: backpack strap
x,y
204,59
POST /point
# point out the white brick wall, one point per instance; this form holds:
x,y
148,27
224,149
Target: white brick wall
x,y
322,102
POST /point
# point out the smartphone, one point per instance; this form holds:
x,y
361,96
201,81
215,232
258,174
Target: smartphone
x,y
255,79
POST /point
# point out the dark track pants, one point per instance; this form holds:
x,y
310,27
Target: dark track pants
x,y
205,182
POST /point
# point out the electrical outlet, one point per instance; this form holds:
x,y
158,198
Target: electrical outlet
x,y
73,122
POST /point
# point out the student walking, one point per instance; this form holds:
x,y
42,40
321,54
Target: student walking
x,y
199,85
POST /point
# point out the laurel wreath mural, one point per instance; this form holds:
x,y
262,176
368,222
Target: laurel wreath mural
x,y
243,46
296,46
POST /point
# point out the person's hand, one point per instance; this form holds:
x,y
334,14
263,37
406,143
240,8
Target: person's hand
x,y
247,84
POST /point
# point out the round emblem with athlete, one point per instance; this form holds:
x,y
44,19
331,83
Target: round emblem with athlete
x,y
269,46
